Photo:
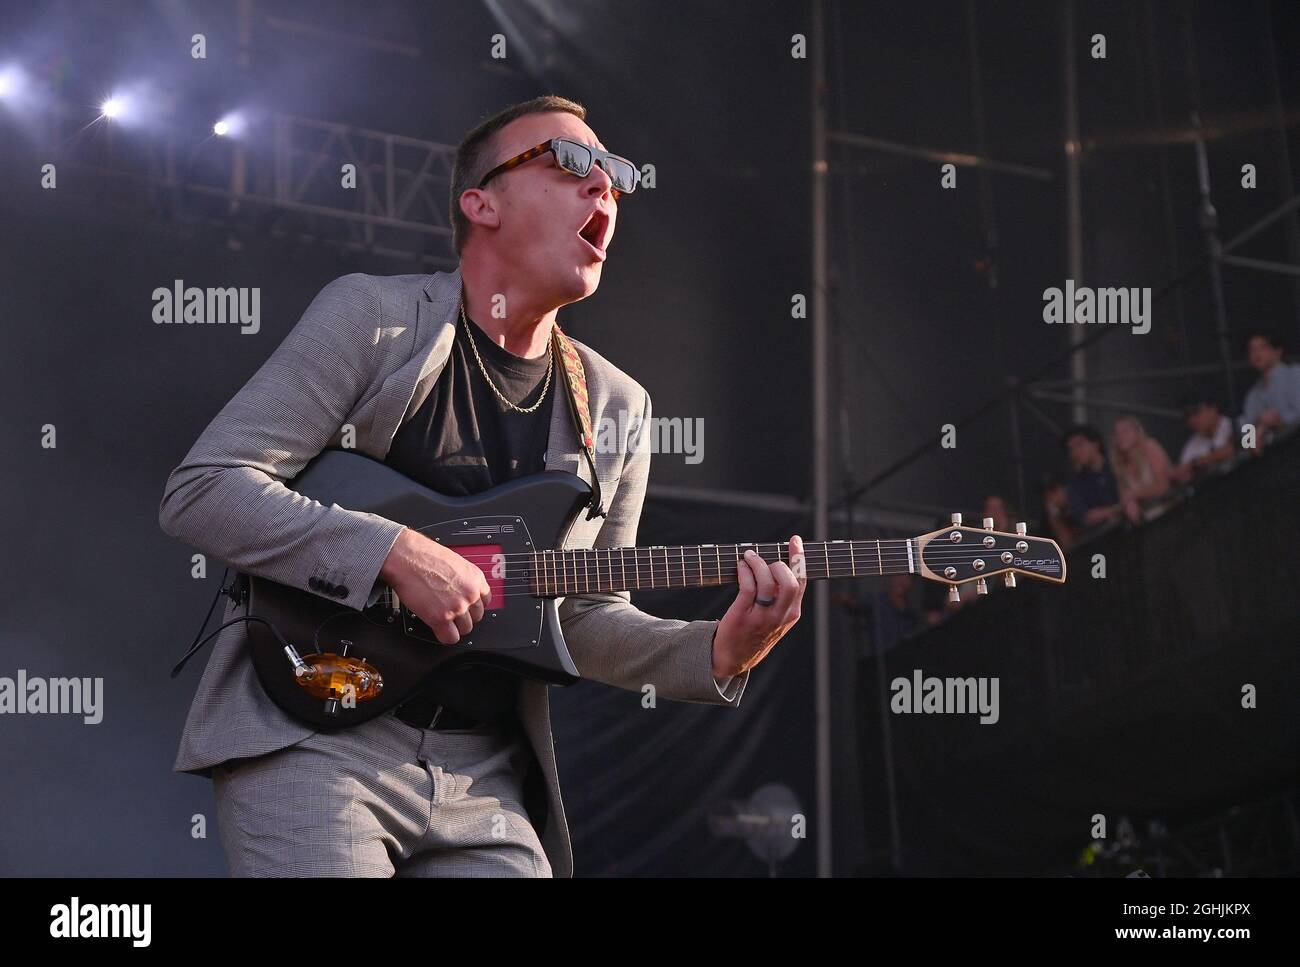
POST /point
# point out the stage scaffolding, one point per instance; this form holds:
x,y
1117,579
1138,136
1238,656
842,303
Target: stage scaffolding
x,y
1023,393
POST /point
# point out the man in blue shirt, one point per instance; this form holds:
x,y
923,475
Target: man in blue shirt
x,y
1273,403
1091,489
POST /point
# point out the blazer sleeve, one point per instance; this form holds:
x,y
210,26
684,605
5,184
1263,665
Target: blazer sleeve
x,y
228,497
613,642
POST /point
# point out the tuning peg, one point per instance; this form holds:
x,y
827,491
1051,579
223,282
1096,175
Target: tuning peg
x,y
956,519
954,595
1022,529
981,587
988,523
1010,579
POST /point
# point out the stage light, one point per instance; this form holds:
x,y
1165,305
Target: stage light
x,y
230,126
11,80
112,108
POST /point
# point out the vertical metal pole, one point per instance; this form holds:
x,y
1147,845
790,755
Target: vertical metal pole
x,y
886,735
1018,455
1074,209
1209,217
1286,180
821,479
1210,225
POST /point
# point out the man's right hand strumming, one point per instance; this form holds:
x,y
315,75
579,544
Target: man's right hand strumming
x,y
445,590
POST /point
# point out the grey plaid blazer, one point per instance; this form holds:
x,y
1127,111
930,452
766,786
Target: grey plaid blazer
x,y
364,356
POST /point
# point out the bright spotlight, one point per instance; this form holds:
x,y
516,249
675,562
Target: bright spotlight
x,y
231,125
112,108
10,81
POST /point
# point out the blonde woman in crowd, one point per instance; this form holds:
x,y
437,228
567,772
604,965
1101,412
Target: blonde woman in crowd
x,y
1142,470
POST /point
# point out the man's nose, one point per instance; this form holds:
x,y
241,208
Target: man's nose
x,y
598,181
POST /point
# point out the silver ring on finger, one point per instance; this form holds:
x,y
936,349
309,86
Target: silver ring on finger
x,y
765,602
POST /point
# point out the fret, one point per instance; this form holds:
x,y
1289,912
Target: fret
x,y
717,553
880,560
636,566
586,578
699,554
682,552
853,564
537,576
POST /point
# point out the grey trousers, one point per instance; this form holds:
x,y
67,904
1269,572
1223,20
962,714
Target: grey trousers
x,y
381,799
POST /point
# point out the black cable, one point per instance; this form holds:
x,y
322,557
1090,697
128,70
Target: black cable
x,y
243,617
221,589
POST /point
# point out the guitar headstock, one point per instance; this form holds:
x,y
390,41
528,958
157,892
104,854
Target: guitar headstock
x,y
958,555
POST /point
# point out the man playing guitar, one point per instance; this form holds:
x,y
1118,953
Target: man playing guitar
x,y
452,380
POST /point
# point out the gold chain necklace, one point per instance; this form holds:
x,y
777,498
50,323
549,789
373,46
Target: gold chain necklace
x,y
550,364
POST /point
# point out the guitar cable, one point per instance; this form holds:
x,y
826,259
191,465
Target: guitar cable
x,y
238,596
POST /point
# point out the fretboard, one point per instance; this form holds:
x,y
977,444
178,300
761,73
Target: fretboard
x,y
560,573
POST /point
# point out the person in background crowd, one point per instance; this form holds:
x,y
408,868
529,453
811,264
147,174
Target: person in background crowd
x,y
1141,469
895,615
1056,513
1273,403
889,614
1000,509
1091,490
1210,447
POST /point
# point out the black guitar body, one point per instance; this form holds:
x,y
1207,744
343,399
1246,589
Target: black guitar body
x,y
520,633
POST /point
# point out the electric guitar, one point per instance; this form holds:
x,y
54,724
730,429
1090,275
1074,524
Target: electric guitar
x,y
334,667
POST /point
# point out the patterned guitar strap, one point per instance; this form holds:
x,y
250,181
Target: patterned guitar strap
x,y
576,378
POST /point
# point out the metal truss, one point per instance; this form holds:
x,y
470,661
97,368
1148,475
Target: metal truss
x,y
286,172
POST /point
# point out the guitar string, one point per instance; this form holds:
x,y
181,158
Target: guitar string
x,y
580,581
941,551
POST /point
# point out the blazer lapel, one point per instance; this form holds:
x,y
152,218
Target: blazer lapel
x,y
406,389
563,451
435,330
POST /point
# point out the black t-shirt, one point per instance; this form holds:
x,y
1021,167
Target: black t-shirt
x,y
462,440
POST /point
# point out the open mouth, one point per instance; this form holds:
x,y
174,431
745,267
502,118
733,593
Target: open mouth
x,y
595,232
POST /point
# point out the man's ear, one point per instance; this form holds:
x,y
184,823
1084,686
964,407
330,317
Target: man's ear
x,y
480,208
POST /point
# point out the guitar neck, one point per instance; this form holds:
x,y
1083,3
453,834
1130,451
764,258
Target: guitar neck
x,y
581,571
